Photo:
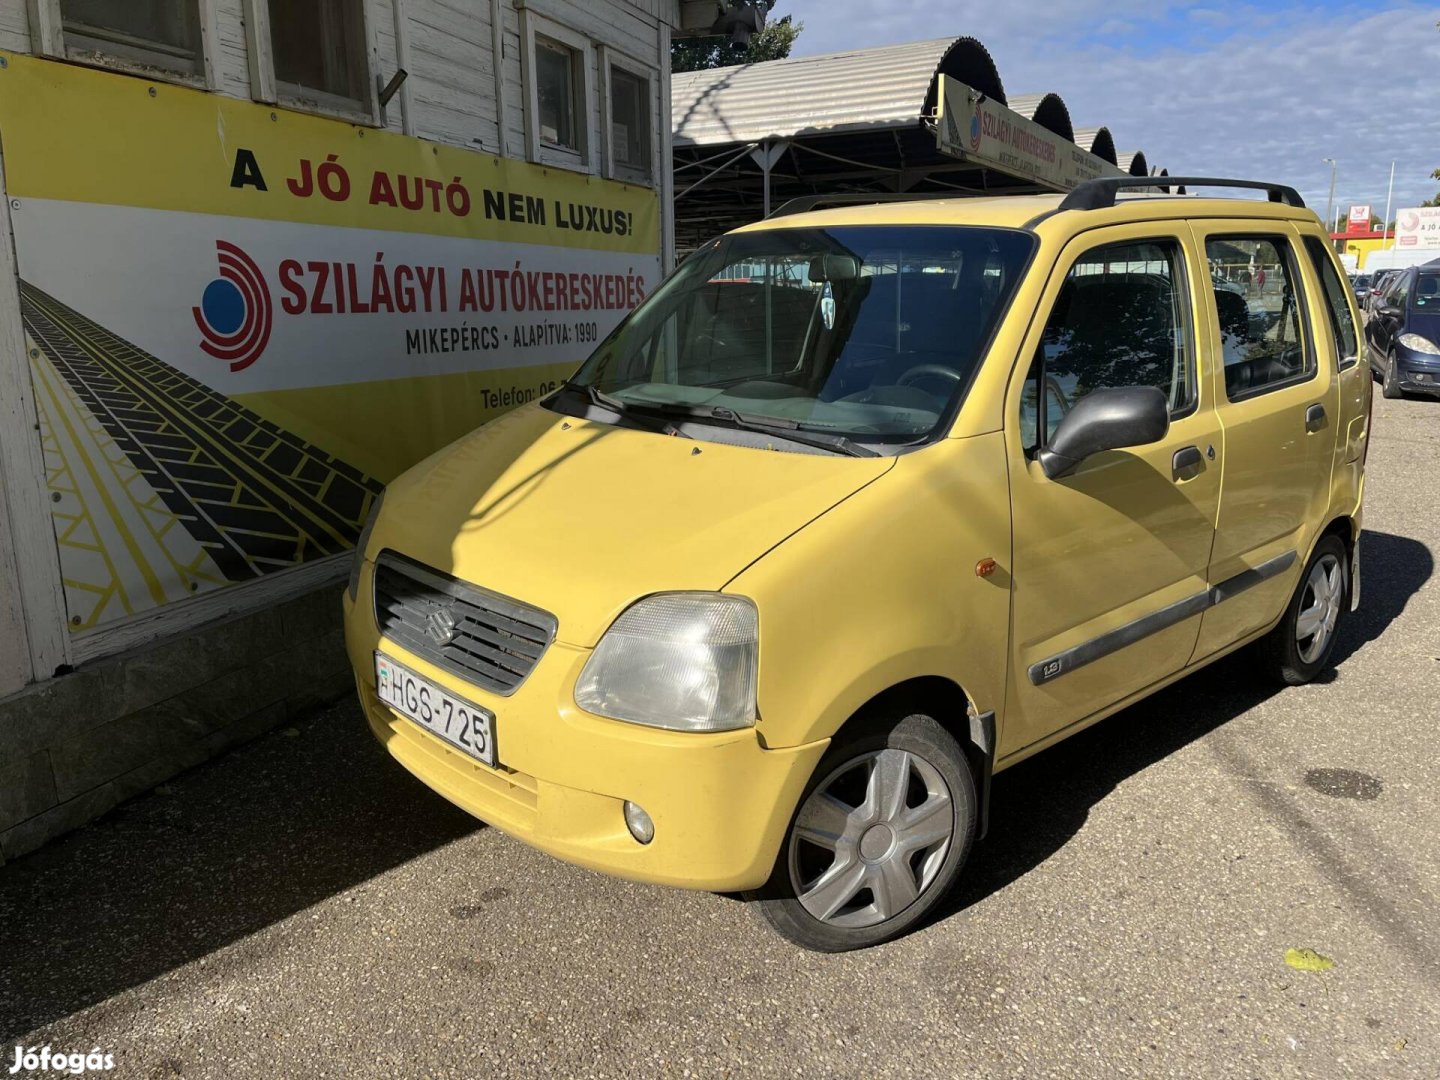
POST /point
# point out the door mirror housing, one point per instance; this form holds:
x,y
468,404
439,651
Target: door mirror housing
x,y
1108,419
1390,311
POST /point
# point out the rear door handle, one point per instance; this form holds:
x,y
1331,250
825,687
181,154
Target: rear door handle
x,y
1186,463
1315,417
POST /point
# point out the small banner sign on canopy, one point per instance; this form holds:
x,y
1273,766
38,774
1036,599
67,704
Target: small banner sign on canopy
x,y
976,127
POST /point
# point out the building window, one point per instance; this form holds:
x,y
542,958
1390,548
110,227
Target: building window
x,y
557,101
630,124
557,69
318,50
161,34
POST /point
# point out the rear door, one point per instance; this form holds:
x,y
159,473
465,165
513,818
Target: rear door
x,y
1278,408
1343,351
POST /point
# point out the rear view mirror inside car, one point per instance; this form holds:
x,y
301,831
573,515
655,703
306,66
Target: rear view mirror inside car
x,y
834,268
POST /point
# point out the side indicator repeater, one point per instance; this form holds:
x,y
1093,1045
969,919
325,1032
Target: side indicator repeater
x,y
985,567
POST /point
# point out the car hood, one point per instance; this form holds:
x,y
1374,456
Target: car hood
x,y
582,518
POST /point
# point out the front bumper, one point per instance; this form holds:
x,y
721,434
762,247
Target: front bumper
x,y
1418,372
720,802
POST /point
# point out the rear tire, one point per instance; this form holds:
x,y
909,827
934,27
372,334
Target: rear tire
x,y
1299,648
878,839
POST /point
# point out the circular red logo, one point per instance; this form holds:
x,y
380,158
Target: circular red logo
x,y
235,315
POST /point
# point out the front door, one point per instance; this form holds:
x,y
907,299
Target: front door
x,y
1109,562
1279,408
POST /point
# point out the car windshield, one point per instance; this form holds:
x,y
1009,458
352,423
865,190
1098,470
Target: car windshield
x,y
1362,281
869,332
1427,291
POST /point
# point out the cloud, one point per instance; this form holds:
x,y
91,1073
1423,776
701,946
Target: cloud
x,y
1236,90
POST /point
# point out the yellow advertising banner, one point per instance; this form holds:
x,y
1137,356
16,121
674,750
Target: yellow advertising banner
x,y
243,321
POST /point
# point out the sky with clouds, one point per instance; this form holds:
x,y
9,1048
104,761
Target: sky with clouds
x,y
1232,89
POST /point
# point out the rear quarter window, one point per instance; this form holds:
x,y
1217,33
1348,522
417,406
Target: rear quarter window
x,y
1337,303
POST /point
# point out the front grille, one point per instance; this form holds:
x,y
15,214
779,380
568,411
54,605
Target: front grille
x,y
494,642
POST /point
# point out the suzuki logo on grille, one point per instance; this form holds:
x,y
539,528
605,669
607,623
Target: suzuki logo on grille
x,y
440,625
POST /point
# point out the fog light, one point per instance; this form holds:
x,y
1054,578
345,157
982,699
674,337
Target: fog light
x,y
639,823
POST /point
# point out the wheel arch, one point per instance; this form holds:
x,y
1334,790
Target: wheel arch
x,y
1342,526
1347,530
952,708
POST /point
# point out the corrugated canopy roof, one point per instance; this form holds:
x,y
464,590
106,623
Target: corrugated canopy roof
x,y
860,90
1133,162
1047,110
1098,141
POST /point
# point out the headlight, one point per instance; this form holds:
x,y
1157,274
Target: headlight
x,y
684,661
354,586
1416,343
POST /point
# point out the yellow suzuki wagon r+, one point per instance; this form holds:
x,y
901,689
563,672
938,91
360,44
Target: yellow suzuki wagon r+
x,y
864,504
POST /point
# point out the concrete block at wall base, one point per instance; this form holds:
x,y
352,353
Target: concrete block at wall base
x,y
311,616
171,726
28,835
73,747
27,788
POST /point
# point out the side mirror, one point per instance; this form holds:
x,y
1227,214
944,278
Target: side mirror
x,y
1108,419
1390,311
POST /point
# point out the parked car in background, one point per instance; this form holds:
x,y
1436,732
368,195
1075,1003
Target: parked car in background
x,y
1361,284
1378,281
1402,336
861,506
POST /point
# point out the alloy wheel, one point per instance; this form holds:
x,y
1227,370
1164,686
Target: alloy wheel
x,y
1320,606
871,838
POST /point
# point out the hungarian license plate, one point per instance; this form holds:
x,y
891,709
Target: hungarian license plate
x,y
463,724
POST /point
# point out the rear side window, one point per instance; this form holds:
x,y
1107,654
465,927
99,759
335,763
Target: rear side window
x,y
1337,303
1427,290
1257,302
1398,291
1120,319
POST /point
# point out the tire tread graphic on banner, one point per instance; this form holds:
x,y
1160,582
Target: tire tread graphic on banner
x,y
255,497
121,549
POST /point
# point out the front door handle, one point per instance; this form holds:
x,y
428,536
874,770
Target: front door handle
x,y
1315,417
1186,463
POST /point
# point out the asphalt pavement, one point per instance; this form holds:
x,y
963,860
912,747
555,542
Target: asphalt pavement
x,y
302,907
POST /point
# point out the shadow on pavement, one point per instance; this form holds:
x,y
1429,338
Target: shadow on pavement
x,y
219,853
271,829
1038,805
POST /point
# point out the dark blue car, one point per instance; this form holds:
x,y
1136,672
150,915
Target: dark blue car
x,y
1403,334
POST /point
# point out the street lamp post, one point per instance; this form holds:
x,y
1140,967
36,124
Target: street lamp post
x,y
1330,203
1385,224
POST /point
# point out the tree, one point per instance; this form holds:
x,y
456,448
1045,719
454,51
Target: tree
x,y
771,43
1436,200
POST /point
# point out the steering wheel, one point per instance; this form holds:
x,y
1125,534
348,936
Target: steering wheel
x,y
922,371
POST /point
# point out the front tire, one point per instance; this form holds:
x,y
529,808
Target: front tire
x,y
878,839
1390,380
1299,648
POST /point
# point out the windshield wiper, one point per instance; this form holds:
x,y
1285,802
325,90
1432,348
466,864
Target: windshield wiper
x,y
619,407
596,396
791,430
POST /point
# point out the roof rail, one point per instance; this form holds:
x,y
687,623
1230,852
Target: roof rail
x,y
804,203
1100,193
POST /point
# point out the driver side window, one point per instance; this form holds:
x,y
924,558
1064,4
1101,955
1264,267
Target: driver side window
x,y
1119,320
